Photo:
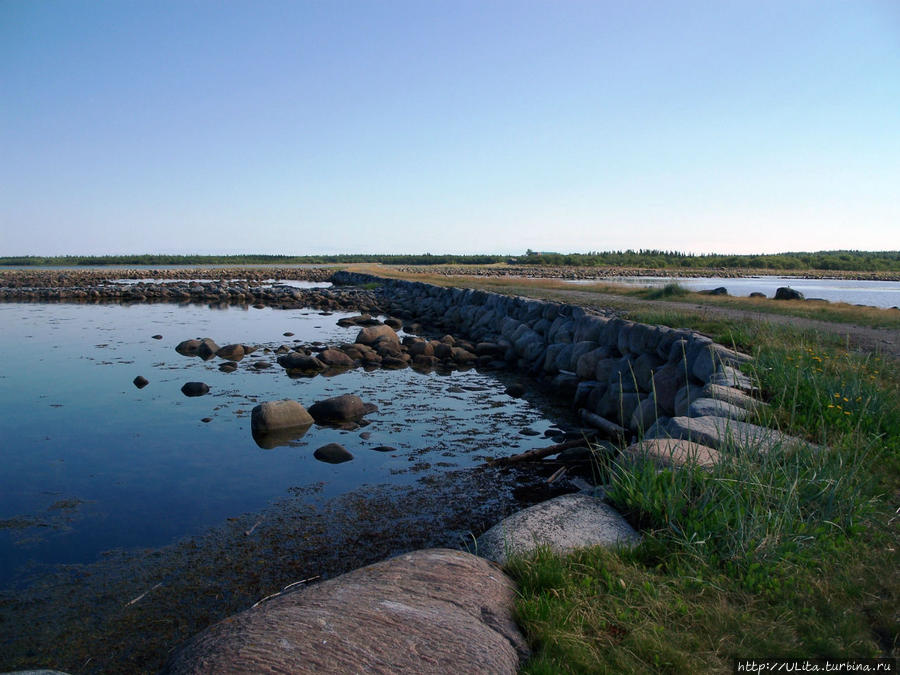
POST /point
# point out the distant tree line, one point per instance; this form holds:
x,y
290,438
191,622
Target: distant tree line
x,y
857,261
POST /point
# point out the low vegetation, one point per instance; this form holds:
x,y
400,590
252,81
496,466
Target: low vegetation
x,y
860,261
791,554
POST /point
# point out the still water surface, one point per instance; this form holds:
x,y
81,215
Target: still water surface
x,y
873,293
90,463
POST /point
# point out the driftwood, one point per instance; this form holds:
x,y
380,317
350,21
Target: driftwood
x,y
603,425
539,453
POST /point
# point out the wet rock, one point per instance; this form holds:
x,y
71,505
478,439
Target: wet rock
x,y
432,611
140,382
335,358
157,337
564,524
516,390
300,363
207,349
195,388
372,334
396,324
721,290
261,365
339,409
384,448
333,453
279,416
188,347
228,367
231,352
206,420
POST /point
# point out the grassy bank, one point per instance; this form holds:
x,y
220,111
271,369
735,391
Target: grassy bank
x,y
793,554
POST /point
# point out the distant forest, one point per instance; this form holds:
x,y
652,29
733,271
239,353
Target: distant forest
x,y
857,261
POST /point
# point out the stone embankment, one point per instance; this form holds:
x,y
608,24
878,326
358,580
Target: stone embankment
x,y
214,287
619,374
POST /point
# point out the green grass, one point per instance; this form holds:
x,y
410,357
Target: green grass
x,y
788,554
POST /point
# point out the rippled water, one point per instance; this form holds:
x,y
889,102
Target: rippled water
x,y
92,463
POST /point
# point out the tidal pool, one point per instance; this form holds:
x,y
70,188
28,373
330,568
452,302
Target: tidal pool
x,y
93,464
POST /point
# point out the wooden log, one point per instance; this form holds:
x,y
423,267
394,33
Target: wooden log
x,y
608,428
539,453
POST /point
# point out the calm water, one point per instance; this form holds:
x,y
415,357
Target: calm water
x,y
874,293
90,463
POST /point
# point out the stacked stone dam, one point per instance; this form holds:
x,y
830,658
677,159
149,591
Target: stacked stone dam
x,y
254,288
610,368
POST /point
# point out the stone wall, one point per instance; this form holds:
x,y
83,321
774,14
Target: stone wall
x,y
622,371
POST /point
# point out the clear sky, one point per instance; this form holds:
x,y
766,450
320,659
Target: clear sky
x,y
448,126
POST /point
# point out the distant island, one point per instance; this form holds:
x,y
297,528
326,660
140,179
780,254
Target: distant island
x,y
862,261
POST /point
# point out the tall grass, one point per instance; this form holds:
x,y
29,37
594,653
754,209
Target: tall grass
x,y
789,553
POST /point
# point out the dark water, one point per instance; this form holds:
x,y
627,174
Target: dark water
x,y
91,463
872,293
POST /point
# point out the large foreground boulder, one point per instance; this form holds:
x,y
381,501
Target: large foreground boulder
x,y
432,611
564,524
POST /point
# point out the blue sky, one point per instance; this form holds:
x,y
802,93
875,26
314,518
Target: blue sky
x,y
448,127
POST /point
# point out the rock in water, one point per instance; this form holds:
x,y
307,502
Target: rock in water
x,y
140,382
333,453
340,409
372,334
195,388
188,347
231,352
432,611
276,416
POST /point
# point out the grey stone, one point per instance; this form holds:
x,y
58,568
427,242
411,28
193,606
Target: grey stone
x,y
433,611
722,433
728,376
673,452
732,396
703,407
564,524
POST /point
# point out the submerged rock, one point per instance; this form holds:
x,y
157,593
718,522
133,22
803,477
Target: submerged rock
x,y
333,453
